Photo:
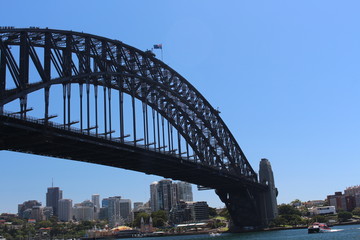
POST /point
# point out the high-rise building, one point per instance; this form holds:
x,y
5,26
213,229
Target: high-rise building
x,y
125,210
105,203
53,195
96,201
154,196
184,192
27,205
114,214
165,194
84,211
65,210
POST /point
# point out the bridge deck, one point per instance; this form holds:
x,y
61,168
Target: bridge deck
x,y
31,137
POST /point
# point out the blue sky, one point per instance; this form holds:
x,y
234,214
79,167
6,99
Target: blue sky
x,y
284,74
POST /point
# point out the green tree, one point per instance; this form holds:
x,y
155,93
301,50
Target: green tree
x,y
344,216
137,220
212,212
319,218
285,209
159,218
356,211
225,213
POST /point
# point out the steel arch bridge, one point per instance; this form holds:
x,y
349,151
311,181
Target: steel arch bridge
x,y
88,98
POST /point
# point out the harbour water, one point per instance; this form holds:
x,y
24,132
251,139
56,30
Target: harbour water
x,y
348,232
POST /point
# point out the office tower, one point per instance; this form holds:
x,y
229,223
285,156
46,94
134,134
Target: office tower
x,y
96,201
153,196
53,195
65,210
105,203
162,195
184,191
27,205
84,211
125,210
114,214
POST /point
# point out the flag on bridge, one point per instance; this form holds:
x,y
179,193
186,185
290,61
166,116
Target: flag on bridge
x,y
158,46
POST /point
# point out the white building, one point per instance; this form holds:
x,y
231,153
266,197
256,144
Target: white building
x,y
84,211
65,210
322,210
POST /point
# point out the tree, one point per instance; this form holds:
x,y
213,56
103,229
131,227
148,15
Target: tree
x,y
137,220
296,202
212,212
356,211
319,218
225,213
159,218
285,209
344,216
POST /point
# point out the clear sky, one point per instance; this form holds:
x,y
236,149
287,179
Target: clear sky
x,y
284,74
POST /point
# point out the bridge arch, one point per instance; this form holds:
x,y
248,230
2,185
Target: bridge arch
x,y
69,58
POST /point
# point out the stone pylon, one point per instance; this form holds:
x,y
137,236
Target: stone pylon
x,y
266,177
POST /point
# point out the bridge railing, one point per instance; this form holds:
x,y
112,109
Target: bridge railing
x,y
35,120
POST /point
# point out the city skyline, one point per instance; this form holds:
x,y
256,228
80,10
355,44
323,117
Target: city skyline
x,y
284,76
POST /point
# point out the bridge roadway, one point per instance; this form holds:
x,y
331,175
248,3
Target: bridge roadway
x,y
32,136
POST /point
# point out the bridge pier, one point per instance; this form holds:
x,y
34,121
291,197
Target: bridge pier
x,y
244,208
250,208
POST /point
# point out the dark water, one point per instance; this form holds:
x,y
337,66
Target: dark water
x,y
348,232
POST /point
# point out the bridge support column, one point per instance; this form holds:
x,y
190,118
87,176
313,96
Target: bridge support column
x,y
251,208
245,208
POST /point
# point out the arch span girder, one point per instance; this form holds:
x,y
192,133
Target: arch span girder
x,y
106,62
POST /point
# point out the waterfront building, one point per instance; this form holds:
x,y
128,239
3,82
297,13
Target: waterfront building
x,y
65,210
180,213
322,210
357,200
53,195
340,201
314,203
201,211
335,200
125,210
